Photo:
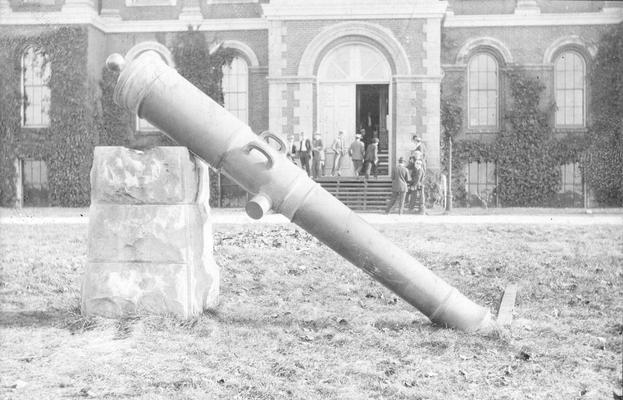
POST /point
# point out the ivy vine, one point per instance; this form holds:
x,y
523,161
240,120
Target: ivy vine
x,y
526,153
82,111
66,145
604,158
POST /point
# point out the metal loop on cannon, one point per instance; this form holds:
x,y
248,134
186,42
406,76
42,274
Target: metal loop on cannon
x,y
260,147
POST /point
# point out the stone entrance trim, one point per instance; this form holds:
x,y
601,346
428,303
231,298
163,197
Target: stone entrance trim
x,y
150,240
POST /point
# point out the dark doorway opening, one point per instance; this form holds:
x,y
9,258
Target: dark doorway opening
x,y
372,115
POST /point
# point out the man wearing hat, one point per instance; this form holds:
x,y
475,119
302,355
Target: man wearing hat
x,y
400,177
356,152
418,150
317,156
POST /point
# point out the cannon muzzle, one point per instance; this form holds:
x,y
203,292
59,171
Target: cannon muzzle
x,y
160,95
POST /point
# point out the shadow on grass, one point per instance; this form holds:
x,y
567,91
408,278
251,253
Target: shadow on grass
x,y
291,320
70,319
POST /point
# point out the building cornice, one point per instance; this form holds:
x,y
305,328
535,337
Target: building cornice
x,y
353,9
116,25
502,20
223,24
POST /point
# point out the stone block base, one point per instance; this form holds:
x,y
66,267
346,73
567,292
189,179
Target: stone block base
x,y
150,240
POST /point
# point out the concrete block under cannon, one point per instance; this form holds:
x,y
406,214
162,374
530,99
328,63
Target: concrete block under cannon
x,y
157,93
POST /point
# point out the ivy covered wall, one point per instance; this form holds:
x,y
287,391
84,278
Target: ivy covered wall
x,y
527,149
66,145
82,111
604,159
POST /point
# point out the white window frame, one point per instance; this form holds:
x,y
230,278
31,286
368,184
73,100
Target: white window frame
x,y
584,66
151,3
236,112
494,127
485,188
24,108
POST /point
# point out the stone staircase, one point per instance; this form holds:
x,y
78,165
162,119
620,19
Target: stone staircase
x,y
358,194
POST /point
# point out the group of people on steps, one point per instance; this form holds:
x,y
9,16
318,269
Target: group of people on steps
x,y
311,154
407,177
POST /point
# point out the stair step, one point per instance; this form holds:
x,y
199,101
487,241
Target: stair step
x,y
358,194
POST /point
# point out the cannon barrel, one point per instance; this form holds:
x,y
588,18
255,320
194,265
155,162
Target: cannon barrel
x,y
160,95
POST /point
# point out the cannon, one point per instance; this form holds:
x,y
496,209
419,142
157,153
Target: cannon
x,y
156,92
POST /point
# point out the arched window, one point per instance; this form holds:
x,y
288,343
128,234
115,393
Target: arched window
x,y
235,86
482,83
569,78
35,89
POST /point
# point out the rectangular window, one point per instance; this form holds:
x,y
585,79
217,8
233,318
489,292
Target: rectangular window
x,y
570,193
235,85
482,91
571,178
36,93
481,180
35,183
569,76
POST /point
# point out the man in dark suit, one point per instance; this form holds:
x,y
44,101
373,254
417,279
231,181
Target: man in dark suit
x,y
416,186
317,156
371,159
305,153
400,177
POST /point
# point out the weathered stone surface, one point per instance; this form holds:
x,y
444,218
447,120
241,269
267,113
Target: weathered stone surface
x,y
121,289
159,175
149,258
147,233
116,289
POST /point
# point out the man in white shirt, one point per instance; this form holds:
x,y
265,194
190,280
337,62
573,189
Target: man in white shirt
x,y
339,150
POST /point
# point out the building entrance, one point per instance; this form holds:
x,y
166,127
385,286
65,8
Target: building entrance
x,y
372,117
353,94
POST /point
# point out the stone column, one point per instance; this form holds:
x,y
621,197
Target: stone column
x,y
432,121
304,106
277,86
150,240
407,112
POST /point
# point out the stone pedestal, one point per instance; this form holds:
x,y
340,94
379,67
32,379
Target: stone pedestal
x,y
150,240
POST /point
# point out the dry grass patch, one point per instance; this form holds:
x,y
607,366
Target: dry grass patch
x,y
298,322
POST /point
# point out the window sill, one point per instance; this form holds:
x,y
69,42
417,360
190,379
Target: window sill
x,y
160,3
31,7
571,130
35,127
482,131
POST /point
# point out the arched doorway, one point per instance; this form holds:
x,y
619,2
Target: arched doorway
x,y
353,94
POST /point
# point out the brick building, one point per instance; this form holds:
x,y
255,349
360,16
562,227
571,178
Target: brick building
x,y
325,65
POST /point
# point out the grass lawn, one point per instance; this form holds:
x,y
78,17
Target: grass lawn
x,y
298,322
